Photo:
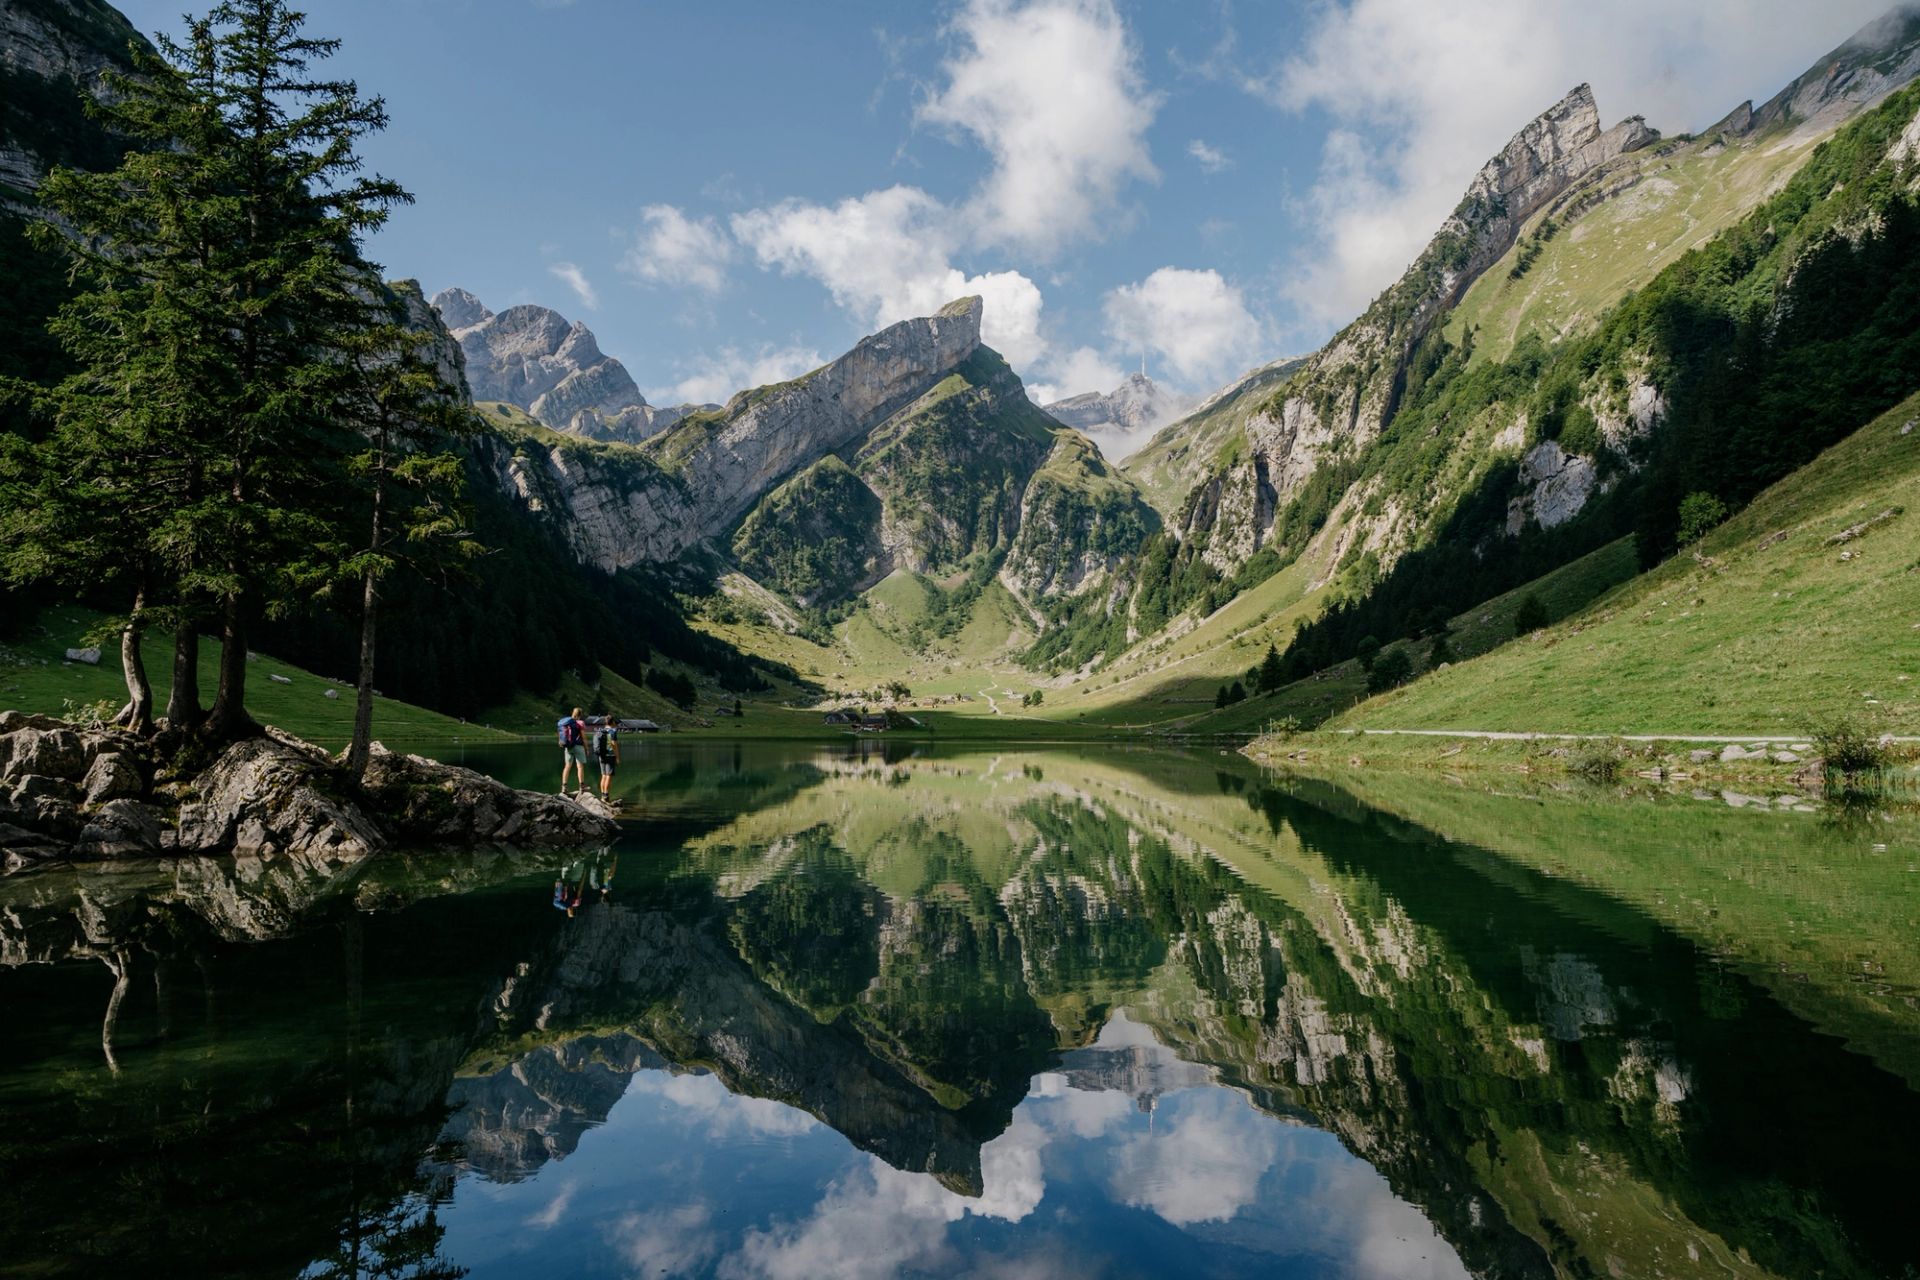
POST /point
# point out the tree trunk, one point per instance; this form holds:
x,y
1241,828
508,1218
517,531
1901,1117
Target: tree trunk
x,y
137,715
183,701
362,744
229,720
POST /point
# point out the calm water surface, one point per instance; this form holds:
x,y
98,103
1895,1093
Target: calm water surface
x,y
876,1012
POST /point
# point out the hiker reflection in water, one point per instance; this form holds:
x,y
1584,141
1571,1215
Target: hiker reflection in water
x,y
594,873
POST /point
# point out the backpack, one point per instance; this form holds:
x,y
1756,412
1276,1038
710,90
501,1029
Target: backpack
x,y
569,730
603,745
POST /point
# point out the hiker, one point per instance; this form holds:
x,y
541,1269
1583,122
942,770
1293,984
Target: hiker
x,y
572,731
606,749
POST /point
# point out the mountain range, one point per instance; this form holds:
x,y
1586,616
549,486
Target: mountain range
x,y
1610,323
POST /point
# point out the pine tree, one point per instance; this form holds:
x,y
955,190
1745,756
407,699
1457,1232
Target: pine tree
x,y
197,447
1272,673
403,408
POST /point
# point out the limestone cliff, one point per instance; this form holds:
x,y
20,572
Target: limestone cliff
x,y
535,358
1347,392
52,54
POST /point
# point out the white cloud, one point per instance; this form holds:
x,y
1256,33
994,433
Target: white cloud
x,y
1422,94
576,280
713,378
679,1241
887,256
549,1216
672,249
1211,159
1194,320
1204,1164
1052,89
1080,370
880,1221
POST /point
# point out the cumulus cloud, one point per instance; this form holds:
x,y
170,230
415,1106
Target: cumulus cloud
x,y
1211,159
1079,370
887,256
673,249
880,1221
677,1241
576,280
1052,89
1194,320
1204,1165
1420,95
714,377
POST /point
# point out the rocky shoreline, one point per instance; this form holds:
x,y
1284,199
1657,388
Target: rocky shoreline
x,y
86,794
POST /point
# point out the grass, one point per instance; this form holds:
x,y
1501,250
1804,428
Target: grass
x,y
1766,626
1684,198
35,676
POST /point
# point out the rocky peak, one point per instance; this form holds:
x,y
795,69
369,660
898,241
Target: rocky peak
x,y
1877,59
1563,144
1121,420
534,357
460,309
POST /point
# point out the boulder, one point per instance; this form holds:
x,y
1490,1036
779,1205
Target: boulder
x,y
1700,757
1734,751
120,829
113,775
426,802
56,752
264,795
50,815
89,655
38,786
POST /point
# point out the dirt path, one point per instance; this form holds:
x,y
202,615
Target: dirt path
x,y
1499,735
991,704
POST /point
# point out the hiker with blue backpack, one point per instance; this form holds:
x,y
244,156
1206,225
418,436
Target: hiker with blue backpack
x,y
606,750
572,731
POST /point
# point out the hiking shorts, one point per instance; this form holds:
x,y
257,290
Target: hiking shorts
x,y
577,754
607,767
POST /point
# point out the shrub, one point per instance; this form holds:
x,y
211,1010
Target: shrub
x,y
1530,616
1390,670
1440,652
1238,693
1595,761
1700,513
1848,749
1366,651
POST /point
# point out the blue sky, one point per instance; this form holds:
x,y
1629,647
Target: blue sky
x,y
729,192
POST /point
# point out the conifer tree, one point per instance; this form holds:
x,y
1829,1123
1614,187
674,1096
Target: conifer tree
x,y
404,409
222,285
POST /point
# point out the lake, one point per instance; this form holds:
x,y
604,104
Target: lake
x,y
889,1010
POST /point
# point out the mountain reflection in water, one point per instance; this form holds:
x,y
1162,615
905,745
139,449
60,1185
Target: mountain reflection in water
x,y
879,1013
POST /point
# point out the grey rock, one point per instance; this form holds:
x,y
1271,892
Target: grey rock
x,y
1700,757
331,694
553,368
1556,486
425,802
1733,751
89,655
38,786
120,829
280,679
56,752
1786,757
112,776
260,797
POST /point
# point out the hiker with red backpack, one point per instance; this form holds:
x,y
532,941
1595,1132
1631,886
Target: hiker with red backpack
x,y
572,731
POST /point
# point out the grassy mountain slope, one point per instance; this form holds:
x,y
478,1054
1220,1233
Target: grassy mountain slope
x,y
1767,625
34,676
1180,454
1675,197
